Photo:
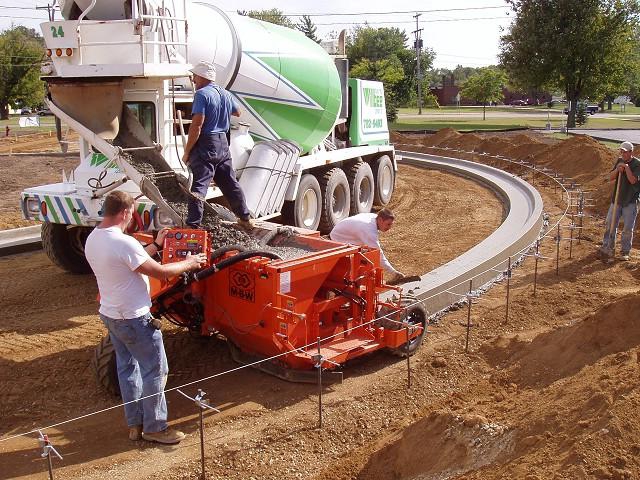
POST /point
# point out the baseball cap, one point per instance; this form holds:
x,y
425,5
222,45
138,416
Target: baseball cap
x,y
205,70
626,146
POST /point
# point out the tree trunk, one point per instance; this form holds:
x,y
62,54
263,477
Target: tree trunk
x,y
571,118
484,111
4,111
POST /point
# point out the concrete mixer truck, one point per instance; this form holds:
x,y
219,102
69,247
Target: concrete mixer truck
x,y
312,144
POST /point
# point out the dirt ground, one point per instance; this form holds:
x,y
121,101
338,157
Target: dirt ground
x,y
550,392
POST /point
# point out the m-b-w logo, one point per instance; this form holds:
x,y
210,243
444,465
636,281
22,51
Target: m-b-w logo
x,y
242,285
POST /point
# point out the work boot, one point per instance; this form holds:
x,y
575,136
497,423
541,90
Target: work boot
x,y
245,224
135,433
625,257
168,436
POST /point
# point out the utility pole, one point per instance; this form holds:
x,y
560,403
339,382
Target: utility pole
x,y
418,46
51,10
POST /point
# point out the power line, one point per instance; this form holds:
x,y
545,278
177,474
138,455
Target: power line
x,y
395,12
410,21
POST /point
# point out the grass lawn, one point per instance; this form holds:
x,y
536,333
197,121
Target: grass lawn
x,y
47,123
466,124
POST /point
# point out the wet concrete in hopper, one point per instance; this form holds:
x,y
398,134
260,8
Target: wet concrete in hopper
x,y
221,234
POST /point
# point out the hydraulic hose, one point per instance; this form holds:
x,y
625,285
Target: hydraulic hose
x,y
207,272
227,248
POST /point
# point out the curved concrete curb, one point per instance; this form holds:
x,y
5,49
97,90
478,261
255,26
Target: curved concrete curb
x,y
19,240
489,259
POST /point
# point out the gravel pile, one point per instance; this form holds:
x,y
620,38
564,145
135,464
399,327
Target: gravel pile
x,y
223,234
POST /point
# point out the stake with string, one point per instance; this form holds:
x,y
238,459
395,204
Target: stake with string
x,y
202,406
47,448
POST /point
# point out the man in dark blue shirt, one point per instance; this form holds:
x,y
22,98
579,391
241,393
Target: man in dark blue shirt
x,y
207,150
627,172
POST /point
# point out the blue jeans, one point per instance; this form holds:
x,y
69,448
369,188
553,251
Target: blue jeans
x,y
142,370
628,214
210,160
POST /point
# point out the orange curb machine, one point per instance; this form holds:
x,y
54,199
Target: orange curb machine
x,y
325,301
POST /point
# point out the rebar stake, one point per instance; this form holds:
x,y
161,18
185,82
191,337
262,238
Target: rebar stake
x,y
318,364
466,347
506,316
202,406
535,271
571,237
408,357
47,448
558,251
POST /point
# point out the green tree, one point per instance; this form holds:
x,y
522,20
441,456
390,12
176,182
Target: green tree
x,y
388,71
272,15
382,54
582,48
21,54
307,27
485,86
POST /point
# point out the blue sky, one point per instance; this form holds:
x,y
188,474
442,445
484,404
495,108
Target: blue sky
x,y
463,32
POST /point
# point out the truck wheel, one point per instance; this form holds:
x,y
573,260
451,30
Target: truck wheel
x,y
411,311
64,245
304,212
336,199
385,178
361,187
104,364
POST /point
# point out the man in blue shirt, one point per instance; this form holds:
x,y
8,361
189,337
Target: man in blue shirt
x,y
207,150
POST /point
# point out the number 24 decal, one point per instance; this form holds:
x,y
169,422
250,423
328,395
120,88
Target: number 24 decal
x,y
57,32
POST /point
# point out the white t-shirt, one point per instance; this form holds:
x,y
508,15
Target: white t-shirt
x,y
113,257
361,229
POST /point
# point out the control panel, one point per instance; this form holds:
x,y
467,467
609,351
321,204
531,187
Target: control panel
x,y
180,242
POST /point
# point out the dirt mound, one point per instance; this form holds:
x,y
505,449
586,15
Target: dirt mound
x,y
585,160
442,138
564,352
462,442
579,157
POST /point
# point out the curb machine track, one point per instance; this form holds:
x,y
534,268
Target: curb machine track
x,y
488,260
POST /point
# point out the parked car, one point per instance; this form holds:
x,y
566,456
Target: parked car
x,y
519,103
44,111
25,111
590,108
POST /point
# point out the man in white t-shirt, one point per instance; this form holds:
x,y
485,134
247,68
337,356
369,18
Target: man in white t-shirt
x,y
122,266
362,229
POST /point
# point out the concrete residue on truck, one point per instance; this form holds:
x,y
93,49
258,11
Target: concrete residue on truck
x,y
311,145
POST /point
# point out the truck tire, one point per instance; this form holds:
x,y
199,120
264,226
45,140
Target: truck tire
x,y
411,311
104,364
64,245
361,185
336,199
305,211
385,178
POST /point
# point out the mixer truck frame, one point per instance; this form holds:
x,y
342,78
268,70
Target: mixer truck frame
x,y
311,145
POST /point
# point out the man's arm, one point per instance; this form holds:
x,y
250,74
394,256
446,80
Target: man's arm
x,y
372,239
631,175
195,128
154,269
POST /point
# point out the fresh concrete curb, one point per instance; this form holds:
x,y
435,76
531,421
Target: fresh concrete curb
x,y
19,240
488,260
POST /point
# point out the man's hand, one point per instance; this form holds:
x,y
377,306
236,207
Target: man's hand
x,y
161,235
196,261
185,158
622,167
395,277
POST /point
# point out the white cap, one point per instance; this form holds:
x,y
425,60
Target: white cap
x,y
205,70
626,146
